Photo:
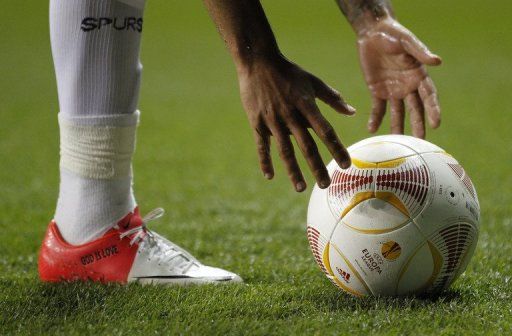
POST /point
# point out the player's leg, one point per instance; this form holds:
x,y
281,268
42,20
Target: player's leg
x,y
97,232
95,45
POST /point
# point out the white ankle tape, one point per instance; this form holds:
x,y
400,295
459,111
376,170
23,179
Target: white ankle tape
x,y
96,151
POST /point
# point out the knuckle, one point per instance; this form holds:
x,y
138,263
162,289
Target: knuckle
x,y
271,118
327,132
422,90
306,99
310,150
427,90
259,131
262,149
266,167
287,116
417,123
307,104
269,114
287,152
294,177
334,93
378,110
322,178
320,173
431,96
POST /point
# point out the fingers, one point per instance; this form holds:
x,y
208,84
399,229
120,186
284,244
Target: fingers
x,y
331,97
417,114
419,50
377,114
262,139
428,94
287,154
310,151
397,116
326,133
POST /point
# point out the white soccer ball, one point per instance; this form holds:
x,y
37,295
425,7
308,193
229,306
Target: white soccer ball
x,y
403,219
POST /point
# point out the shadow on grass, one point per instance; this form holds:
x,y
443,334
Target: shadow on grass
x,y
336,300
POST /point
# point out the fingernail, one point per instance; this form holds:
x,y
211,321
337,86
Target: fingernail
x,y
351,109
324,184
437,60
300,186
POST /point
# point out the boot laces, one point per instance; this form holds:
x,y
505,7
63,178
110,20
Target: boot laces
x,y
159,247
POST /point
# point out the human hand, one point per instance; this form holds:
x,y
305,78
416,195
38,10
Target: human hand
x,y
393,62
279,98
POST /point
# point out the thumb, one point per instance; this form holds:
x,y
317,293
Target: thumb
x,y
419,50
331,97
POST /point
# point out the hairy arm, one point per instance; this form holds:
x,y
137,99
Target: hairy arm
x,y
278,95
393,62
245,30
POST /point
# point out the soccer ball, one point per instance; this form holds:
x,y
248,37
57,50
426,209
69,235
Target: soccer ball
x,y
403,219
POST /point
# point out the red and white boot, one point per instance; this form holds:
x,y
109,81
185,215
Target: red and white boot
x,y
129,252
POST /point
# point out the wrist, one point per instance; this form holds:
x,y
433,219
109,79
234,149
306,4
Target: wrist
x,y
368,19
249,58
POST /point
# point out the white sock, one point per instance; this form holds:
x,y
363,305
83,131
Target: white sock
x,y
95,45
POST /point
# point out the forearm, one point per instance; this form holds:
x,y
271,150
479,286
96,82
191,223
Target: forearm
x,y
245,30
363,13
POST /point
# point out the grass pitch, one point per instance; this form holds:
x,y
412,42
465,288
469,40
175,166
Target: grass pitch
x,y
196,158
